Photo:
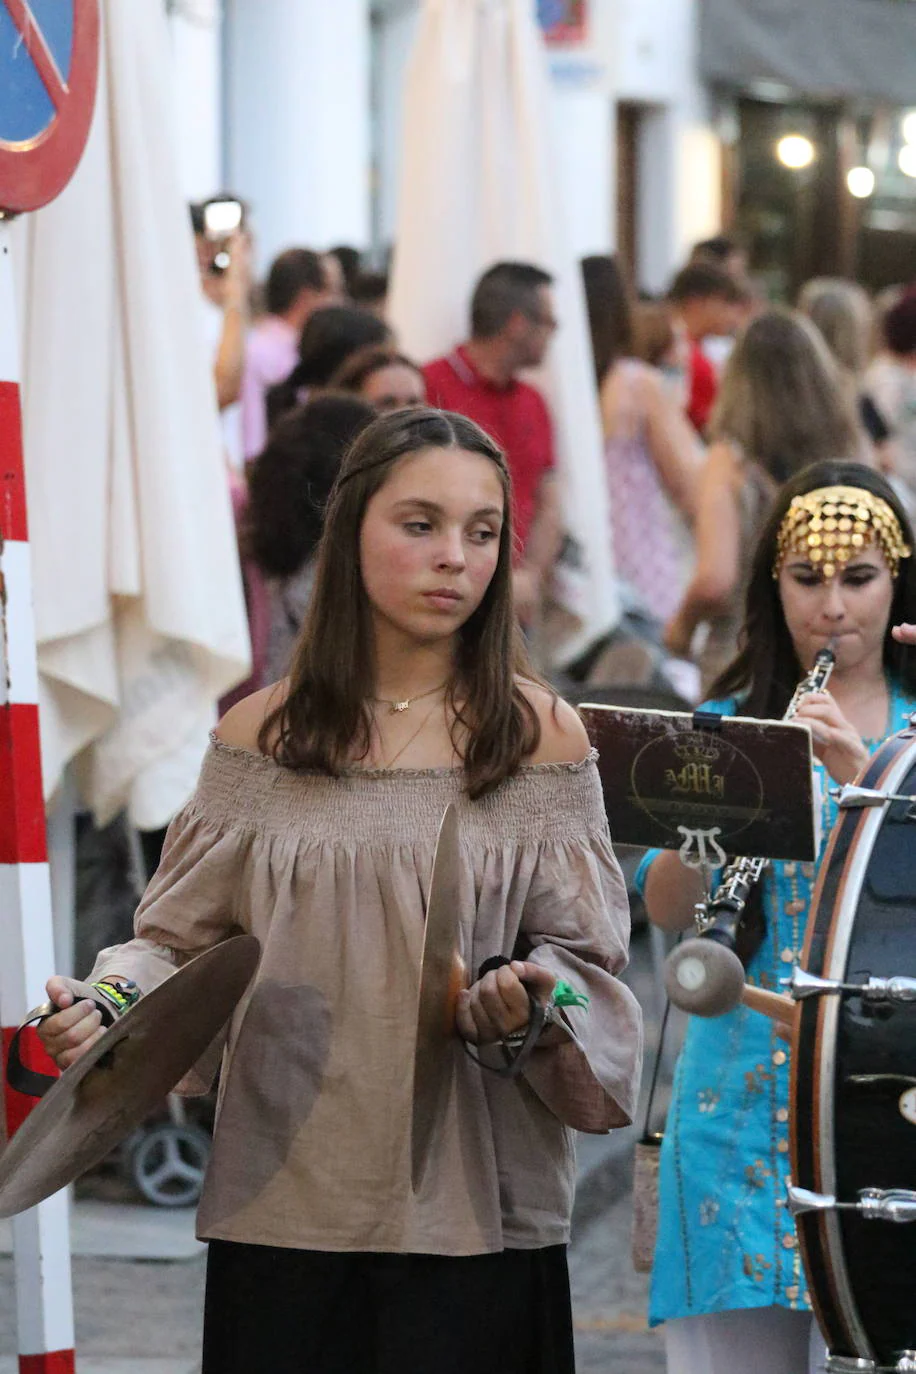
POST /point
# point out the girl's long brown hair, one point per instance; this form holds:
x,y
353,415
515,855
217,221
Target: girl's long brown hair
x,y
324,723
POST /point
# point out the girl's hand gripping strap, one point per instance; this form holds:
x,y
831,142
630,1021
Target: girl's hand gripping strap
x,y
518,1046
112,1000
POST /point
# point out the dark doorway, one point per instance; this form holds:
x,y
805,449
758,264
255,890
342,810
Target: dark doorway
x,y
629,116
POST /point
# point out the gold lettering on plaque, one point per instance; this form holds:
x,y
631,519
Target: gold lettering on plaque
x,y
697,779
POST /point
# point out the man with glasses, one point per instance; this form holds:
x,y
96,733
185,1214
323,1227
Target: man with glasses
x,y
512,321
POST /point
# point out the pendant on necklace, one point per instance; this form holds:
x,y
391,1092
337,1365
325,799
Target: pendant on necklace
x,y
397,706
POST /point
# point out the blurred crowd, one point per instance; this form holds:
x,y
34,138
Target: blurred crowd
x,y
710,396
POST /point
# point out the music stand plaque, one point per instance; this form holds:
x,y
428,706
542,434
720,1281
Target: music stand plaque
x,y
728,784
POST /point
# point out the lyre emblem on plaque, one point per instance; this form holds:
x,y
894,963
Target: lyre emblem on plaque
x,y
701,848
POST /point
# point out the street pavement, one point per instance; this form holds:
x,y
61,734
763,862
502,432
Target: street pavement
x,y
142,1315
609,1299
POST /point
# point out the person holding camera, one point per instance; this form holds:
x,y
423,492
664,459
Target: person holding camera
x,y
224,260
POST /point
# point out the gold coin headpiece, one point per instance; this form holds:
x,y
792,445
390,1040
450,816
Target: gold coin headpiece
x,y
831,525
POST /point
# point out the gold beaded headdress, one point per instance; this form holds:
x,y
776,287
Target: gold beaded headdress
x,y
831,525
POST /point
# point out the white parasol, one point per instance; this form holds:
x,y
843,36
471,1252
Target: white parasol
x,y
478,185
139,611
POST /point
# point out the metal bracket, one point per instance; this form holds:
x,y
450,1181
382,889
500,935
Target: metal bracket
x,y
874,1204
707,720
803,985
850,798
849,1364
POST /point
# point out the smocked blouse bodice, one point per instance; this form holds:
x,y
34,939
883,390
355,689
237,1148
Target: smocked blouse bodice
x,y
312,1144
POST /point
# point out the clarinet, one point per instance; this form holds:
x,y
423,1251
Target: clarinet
x,y
704,975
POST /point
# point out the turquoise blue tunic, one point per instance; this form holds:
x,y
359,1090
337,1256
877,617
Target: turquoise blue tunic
x,y
725,1240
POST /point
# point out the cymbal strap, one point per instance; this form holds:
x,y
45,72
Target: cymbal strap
x,y
515,1059
31,1082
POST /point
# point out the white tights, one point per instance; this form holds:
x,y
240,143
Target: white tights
x,y
762,1340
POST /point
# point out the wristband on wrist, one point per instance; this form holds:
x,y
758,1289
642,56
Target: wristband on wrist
x,y
123,994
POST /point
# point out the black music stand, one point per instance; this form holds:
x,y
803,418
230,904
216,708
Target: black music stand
x,y
707,785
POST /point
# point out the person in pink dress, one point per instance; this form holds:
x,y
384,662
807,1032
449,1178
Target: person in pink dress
x,y
298,284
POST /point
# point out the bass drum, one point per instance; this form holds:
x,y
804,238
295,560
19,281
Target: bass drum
x,y
853,1108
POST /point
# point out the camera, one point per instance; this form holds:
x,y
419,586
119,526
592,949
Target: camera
x,y
222,218
218,219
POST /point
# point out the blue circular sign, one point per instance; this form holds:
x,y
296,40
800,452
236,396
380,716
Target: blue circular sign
x,y
48,70
27,107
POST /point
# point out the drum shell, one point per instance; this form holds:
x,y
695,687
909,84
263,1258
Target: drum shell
x,y
852,1061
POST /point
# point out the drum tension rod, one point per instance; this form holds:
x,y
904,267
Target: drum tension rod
x,y
803,985
850,1364
850,797
874,1204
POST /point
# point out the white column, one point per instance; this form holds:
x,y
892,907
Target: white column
x,y
196,34
395,33
657,249
586,137
298,121
680,199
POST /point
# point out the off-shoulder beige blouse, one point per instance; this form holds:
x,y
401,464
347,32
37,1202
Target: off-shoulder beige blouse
x,y
312,1144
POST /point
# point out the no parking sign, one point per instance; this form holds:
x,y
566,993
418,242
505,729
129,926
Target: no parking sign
x,y
49,55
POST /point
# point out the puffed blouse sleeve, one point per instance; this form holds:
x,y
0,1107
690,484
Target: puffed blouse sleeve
x,y
191,902
576,923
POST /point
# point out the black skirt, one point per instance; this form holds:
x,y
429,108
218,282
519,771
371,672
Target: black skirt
x,y
278,1311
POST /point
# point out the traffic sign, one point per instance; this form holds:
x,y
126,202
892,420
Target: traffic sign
x,y
49,57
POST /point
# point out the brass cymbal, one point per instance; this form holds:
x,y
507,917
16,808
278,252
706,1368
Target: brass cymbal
x,y
127,1073
443,973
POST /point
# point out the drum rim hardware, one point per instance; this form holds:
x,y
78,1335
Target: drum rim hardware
x,y
846,1364
803,985
851,1364
896,1205
850,797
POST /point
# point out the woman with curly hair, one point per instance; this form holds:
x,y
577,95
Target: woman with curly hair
x,y
289,486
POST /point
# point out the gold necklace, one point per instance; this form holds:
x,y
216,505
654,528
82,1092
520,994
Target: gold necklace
x,y
389,763
396,707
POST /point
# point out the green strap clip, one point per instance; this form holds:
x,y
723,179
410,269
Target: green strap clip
x,y
565,995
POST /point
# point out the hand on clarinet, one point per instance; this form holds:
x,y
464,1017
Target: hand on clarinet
x,y
835,741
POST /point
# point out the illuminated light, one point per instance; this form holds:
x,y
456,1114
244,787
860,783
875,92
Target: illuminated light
x,y
861,182
908,126
907,159
795,151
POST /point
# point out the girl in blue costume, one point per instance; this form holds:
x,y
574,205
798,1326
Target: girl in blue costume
x,y
728,1280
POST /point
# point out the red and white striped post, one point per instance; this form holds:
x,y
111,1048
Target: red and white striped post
x,y
44,1300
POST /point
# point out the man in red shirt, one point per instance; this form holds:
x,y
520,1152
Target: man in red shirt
x,y
706,302
512,320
